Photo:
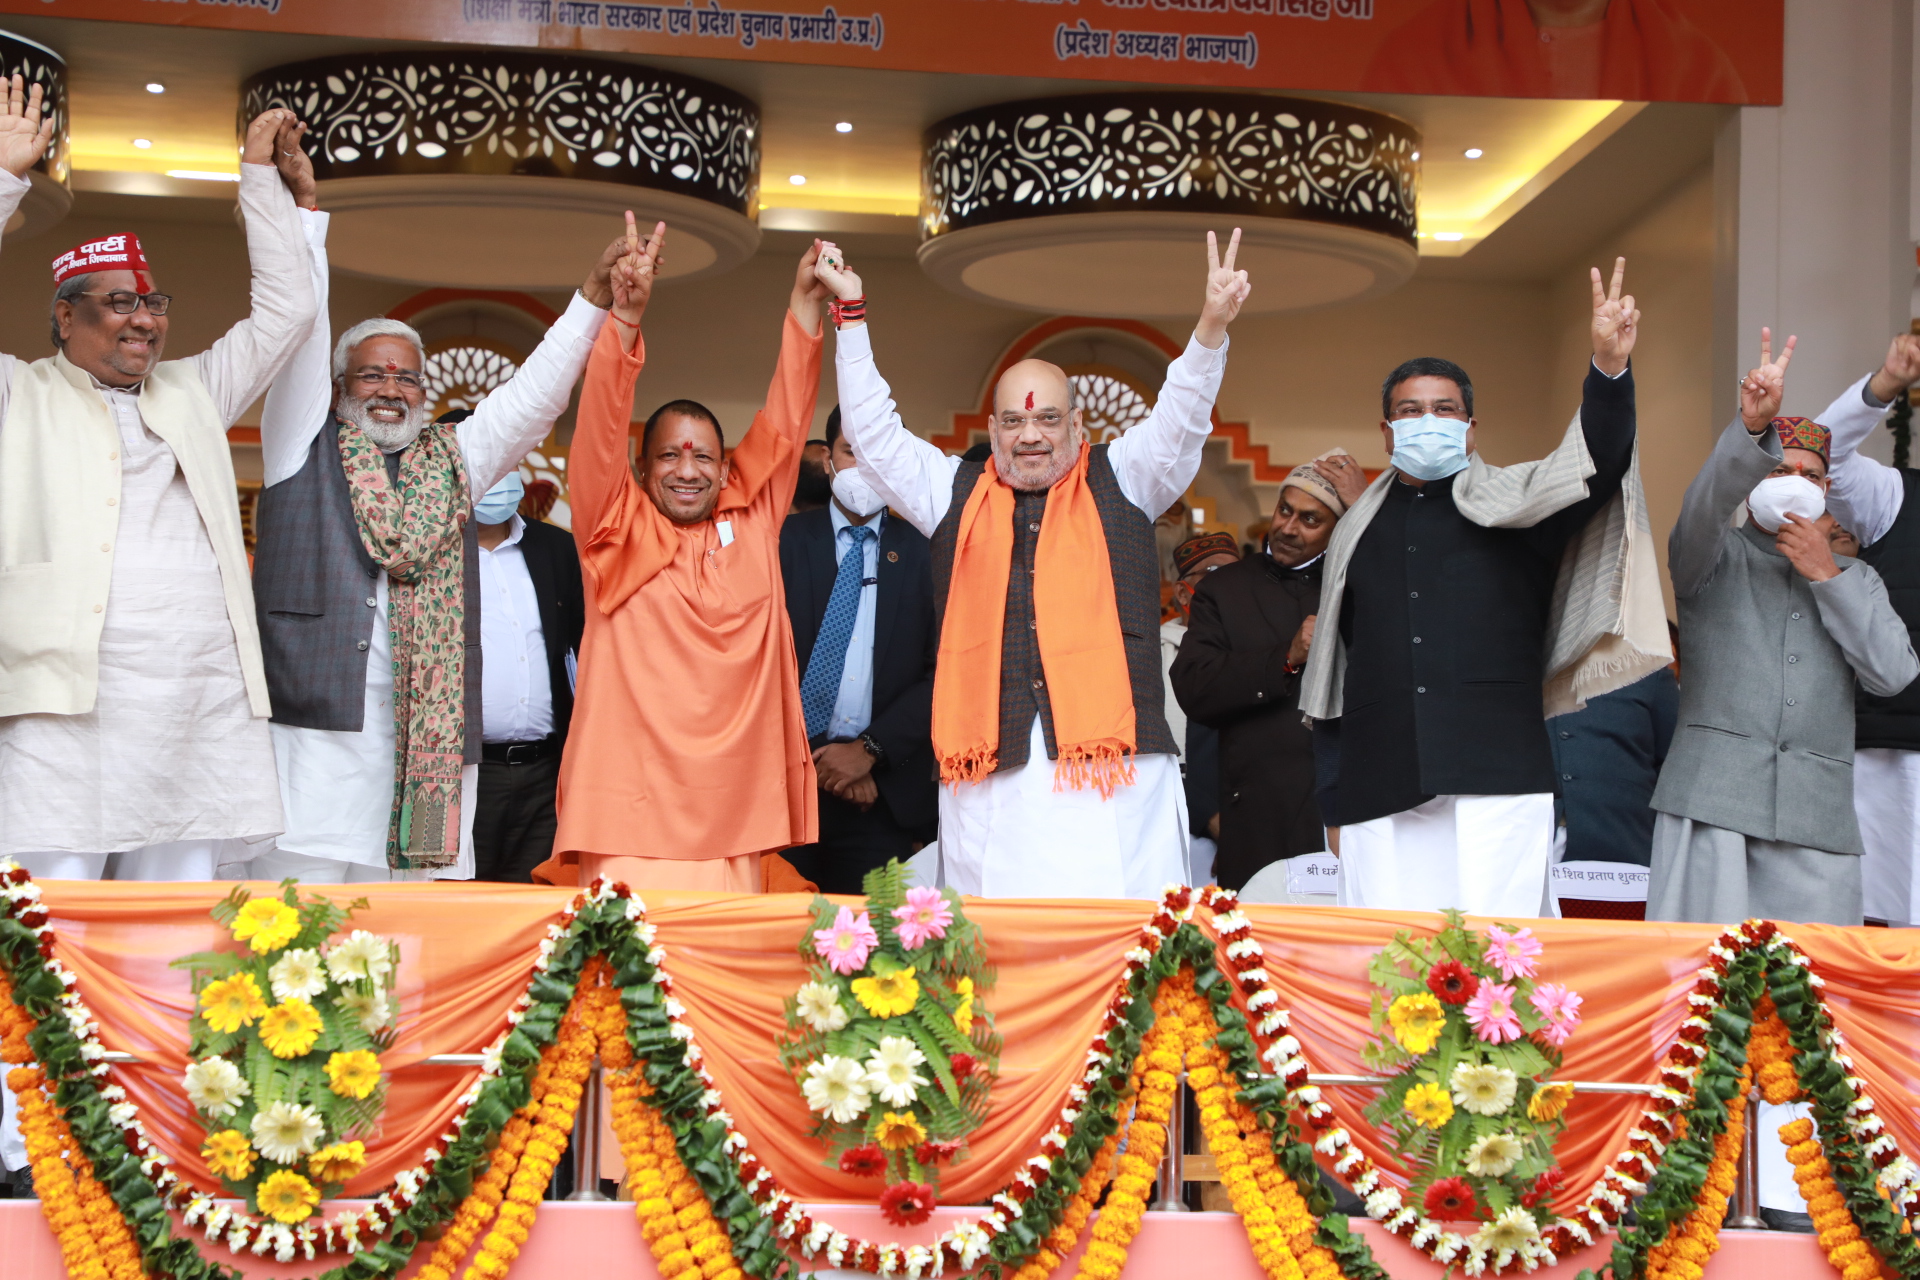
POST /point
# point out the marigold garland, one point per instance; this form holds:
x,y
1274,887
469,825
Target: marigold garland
x,y
1833,1223
1683,1254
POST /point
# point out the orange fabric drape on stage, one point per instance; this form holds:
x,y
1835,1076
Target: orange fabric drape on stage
x,y
467,950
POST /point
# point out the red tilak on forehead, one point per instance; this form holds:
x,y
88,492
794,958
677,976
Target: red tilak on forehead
x,y
391,366
687,445
1029,399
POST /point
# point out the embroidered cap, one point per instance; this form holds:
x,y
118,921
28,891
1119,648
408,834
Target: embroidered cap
x,y
1308,480
1804,433
1194,550
109,253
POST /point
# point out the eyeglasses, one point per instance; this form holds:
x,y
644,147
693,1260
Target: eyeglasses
x,y
125,302
1018,422
405,381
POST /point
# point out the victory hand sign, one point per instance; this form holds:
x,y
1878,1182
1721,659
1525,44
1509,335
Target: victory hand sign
x,y
1616,322
24,136
1227,289
1762,389
634,274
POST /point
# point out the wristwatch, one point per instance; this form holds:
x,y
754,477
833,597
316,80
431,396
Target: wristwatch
x,y
874,749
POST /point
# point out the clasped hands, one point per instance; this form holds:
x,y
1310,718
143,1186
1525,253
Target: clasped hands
x,y
846,770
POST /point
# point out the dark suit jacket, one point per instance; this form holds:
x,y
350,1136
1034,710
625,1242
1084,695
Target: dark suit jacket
x,y
1231,675
1609,757
905,642
553,562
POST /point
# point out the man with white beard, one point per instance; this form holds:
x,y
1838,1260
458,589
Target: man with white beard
x,y
366,581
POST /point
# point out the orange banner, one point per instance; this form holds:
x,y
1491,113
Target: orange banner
x,y
467,952
1640,50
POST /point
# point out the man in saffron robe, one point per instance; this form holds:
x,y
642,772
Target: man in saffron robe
x,y
1639,50
1062,777
687,759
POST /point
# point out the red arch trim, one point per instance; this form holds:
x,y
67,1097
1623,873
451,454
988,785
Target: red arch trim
x,y
1238,435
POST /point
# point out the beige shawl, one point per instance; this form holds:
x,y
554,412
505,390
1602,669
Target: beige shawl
x,y
1607,627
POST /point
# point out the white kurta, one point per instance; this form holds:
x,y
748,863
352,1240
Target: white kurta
x,y
338,786
171,751
1013,834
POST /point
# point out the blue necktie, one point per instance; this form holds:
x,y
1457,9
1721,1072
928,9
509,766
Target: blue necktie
x,y
820,688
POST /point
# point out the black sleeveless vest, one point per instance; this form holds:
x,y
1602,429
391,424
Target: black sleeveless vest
x,y
1134,560
1895,722
313,591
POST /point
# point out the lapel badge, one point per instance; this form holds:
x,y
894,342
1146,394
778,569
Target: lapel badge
x,y
893,557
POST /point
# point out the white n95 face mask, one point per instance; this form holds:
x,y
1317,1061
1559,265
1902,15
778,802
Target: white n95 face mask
x,y
855,494
1777,497
1429,447
497,505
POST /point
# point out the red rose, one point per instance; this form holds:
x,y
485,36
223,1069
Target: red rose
x,y
1543,1187
1453,982
864,1162
1451,1199
962,1065
907,1204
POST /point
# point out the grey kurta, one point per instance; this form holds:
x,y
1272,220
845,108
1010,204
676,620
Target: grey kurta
x,y
1764,751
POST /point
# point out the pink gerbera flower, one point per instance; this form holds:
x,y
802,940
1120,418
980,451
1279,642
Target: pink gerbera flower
x,y
1560,1007
848,943
1491,1014
1513,954
924,917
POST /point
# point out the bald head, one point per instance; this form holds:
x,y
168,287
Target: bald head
x,y
1036,430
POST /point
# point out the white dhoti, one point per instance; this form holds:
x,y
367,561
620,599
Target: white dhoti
x,y
1485,855
1711,875
1014,836
1886,799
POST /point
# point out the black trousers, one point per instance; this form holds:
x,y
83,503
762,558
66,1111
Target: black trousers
x,y
514,819
852,843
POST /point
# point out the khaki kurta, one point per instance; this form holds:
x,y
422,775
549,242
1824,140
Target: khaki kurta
x,y
688,743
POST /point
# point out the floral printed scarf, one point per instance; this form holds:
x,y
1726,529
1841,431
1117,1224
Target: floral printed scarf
x,y
414,532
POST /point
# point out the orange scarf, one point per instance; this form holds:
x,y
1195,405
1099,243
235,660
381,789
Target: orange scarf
x,y
1076,622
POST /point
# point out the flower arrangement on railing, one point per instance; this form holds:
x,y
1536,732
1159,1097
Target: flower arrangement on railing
x,y
1471,1041
284,1057
888,1039
710,1210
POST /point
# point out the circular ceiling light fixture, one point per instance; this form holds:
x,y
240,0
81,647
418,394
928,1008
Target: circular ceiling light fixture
x,y
798,179
141,144
154,86
50,196
1474,153
431,162
845,126
1099,204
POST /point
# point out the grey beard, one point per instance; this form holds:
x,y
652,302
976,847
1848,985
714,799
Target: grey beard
x,y
388,437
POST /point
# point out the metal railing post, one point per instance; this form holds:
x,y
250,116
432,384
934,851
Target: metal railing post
x,y
586,1140
1746,1191
1172,1190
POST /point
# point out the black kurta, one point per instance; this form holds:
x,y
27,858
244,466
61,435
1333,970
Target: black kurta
x,y
1231,675
1445,625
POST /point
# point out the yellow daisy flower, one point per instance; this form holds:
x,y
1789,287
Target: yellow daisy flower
x,y
1429,1104
266,924
353,1074
229,1154
888,995
338,1162
232,1003
897,1131
289,1028
1417,1021
285,1196
963,1012
1548,1101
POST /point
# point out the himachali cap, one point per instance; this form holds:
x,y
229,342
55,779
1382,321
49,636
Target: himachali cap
x,y
1310,481
1194,550
109,253
1804,433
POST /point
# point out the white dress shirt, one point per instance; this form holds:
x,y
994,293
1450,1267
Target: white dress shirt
x,y
1013,834
853,707
516,689
338,786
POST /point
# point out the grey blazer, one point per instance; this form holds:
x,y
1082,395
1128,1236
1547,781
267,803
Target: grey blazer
x,y
1768,661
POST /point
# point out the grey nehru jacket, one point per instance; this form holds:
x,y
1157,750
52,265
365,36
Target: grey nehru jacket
x,y
1767,667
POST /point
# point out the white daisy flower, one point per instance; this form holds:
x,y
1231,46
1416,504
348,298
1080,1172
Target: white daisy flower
x,y
890,1071
369,1008
1493,1156
360,955
215,1086
837,1086
283,1132
297,975
820,1006
1482,1088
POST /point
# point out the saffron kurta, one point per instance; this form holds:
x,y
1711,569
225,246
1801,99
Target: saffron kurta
x,y
688,743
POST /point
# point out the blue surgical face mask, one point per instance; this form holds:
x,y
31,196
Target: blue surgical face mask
x,y
497,505
1430,447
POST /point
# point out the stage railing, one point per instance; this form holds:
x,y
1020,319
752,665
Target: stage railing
x,y
585,1145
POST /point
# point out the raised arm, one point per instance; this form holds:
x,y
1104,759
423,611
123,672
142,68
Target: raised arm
x,y
302,395
517,415
1740,459
1157,459
914,477
600,484
767,460
24,137
1868,493
238,367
